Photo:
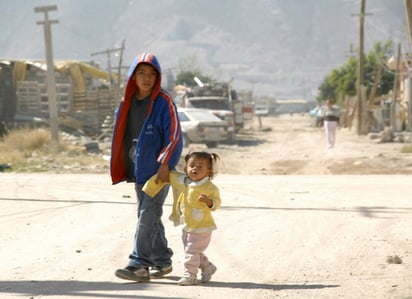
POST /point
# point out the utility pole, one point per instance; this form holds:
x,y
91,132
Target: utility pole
x,y
109,66
408,7
395,90
119,70
360,68
361,63
51,81
351,52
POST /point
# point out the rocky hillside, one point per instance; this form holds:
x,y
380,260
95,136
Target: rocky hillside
x,y
278,48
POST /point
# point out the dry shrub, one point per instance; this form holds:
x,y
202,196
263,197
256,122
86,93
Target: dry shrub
x,y
406,149
31,150
27,140
19,145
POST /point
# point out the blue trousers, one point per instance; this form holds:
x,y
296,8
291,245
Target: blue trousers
x,y
150,243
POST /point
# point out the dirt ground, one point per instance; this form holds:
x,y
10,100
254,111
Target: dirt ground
x,y
289,225
292,145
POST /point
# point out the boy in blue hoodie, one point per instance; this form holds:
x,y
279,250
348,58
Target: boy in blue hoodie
x,y
147,140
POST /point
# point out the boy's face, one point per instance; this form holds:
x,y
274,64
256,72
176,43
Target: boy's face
x,y
146,76
197,169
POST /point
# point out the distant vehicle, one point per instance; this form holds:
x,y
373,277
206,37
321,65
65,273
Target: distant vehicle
x,y
220,107
317,114
202,126
210,102
262,109
218,97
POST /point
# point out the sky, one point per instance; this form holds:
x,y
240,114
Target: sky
x,y
279,48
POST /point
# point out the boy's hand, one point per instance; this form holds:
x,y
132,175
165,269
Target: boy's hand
x,y
163,174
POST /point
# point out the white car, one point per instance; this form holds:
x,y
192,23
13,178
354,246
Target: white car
x,y
262,109
202,126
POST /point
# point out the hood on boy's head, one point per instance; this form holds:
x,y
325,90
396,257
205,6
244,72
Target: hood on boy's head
x,y
146,58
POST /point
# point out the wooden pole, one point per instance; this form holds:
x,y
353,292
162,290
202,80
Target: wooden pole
x,y
360,69
51,81
395,90
408,7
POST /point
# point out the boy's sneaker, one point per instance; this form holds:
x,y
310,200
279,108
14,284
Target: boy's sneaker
x,y
159,272
133,273
188,279
207,272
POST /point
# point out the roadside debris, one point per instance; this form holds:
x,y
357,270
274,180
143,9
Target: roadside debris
x,y
393,259
5,166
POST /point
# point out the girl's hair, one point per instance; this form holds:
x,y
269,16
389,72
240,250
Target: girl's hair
x,y
211,158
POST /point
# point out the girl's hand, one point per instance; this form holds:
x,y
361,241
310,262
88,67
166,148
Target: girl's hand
x,y
203,198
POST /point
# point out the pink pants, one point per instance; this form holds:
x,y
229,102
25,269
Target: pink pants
x,y
195,245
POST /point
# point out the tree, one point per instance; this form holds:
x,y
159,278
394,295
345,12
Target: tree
x,y
327,90
188,70
375,59
186,78
341,82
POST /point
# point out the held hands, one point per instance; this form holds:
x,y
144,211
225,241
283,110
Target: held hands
x,y
203,198
157,181
163,174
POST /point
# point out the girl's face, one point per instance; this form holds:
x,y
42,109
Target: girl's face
x,y
197,169
146,77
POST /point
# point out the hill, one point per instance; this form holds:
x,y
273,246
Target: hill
x,y
282,49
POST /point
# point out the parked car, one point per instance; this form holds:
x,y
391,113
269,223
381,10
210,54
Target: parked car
x,y
317,114
221,107
202,126
262,109
229,117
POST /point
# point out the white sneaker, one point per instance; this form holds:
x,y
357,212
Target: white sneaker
x,y
207,272
188,279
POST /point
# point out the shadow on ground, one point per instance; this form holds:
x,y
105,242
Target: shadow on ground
x,y
95,289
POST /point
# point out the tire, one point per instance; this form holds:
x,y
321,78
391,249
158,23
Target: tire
x,y
212,144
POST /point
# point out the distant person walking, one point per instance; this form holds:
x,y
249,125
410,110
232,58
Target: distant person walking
x,y
195,197
330,116
147,140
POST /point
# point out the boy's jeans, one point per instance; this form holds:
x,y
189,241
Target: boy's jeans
x,y
150,243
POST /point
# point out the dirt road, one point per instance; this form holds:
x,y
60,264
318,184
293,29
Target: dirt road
x,y
279,236
62,236
292,145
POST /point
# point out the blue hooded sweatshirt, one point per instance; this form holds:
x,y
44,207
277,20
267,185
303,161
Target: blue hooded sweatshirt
x,y
160,139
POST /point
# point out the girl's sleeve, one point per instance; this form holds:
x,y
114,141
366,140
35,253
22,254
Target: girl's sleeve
x,y
215,197
151,188
177,180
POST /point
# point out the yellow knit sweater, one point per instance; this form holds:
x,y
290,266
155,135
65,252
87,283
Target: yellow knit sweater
x,y
187,209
